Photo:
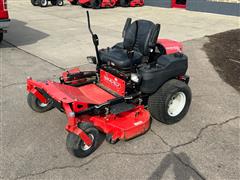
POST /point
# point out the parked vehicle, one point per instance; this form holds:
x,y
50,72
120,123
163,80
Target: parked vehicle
x,y
4,18
134,80
44,3
96,4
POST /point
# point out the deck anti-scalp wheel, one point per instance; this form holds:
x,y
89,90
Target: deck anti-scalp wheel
x,y
35,2
110,140
36,105
77,147
171,102
43,3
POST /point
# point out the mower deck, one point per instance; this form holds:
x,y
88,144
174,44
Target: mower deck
x,y
125,121
125,125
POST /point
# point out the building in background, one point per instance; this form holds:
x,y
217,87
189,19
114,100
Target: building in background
x,y
228,7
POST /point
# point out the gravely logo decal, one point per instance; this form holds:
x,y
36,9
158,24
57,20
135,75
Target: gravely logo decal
x,y
111,81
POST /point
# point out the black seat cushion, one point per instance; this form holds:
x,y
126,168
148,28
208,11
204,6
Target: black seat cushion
x,y
139,37
119,57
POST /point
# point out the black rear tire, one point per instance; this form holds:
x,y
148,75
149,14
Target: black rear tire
x,y
35,2
124,3
74,2
54,2
35,104
60,2
43,3
96,4
77,147
160,102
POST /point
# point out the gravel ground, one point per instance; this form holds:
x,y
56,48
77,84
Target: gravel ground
x,y
223,50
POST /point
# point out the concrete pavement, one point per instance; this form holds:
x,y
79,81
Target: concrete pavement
x,y
204,145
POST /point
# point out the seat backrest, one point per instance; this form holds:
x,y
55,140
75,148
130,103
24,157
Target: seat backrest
x,y
141,36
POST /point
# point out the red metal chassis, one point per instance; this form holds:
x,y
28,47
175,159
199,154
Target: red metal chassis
x,y
4,17
125,125
176,5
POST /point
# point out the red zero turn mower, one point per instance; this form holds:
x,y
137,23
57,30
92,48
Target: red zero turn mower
x,y
137,78
96,4
4,18
44,3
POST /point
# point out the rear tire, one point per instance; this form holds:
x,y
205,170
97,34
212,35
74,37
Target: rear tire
x,y
60,3
43,3
124,3
54,2
96,4
171,102
36,105
35,2
77,147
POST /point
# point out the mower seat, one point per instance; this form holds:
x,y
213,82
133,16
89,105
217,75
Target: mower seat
x,y
140,39
119,57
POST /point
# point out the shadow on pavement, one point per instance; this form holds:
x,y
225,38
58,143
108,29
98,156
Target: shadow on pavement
x,y
19,34
180,171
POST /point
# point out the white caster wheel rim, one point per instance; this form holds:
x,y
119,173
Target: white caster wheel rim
x,y
42,105
176,104
84,146
60,3
44,2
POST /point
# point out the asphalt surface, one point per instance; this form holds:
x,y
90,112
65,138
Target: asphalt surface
x,y
204,145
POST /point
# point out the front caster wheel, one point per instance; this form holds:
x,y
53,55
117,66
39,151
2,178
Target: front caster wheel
x,y
36,105
35,2
77,147
110,140
171,102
